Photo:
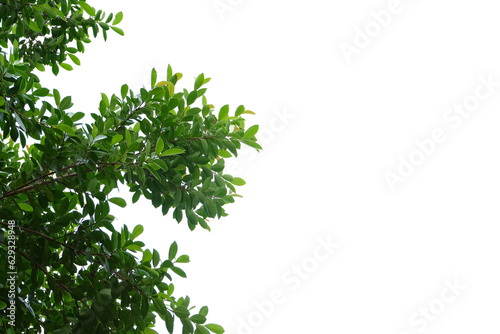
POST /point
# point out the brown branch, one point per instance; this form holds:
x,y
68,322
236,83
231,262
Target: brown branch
x,y
29,185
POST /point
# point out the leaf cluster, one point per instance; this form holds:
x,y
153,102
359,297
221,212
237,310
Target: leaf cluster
x,y
76,273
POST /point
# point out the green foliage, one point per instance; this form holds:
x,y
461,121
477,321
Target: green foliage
x,y
76,273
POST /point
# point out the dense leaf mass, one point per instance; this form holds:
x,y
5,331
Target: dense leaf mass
x,y
74,272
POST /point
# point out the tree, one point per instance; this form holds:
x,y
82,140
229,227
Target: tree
x,y
67,269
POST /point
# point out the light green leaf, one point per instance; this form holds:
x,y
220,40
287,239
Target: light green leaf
x,y
146,256
116,139
118,201
204,310
237,181
200,329
251,131
182,259
118,30
118,18
215,328
224,112
25,207
86,7
74,59
99,137
65,128
153,77
239,110
67,67
159,146
137,232
124,90
199,81
173,151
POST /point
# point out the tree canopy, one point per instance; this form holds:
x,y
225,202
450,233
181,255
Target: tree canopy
x,y
66,268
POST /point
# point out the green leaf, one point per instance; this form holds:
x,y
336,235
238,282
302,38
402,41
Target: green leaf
x,y
159,146
160,306
118,201
251,131
181,312
237,181
146,256
118,30
65,103
55,69
106,292
173,151
65,128
57,96
38,19
50,12
198,319
25,207
124,90
118,18
182,259
156,257
116,139
138,229
161,164
215,328
153,78
74,59
148,330
204,311
86,7
169,322
199,81
200,329
78,116
179,272
239,110
224,112
67,67
41,92
172,252
2,305
99,137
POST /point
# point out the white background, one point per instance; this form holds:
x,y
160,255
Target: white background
x,y
330,129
